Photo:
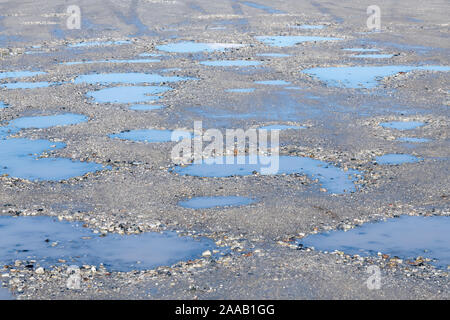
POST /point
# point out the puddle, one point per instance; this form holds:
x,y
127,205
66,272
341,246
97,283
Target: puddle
x,y
262,7
130,78
230,63
146,107
402,125
193,47
3,105
274,82
274,55
127,94
292,88
5,294
170,70
289,41
47,240
29,85
41,122
406,237
264,109
309,27
373,56
361,49
72,63
148,54
396,159
414,140
98,43
20,74
150,135
281,127
362,77
215,202
333,178
22,158
241,90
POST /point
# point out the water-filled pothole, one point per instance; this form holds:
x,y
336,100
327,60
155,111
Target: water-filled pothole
x,y
23,158
149,54
41,122
134,94
129,78
127,94
98,43
402,125
308,27
215,202
240,90
274,55
146,107
361,49
406,237
193,47
362,77
231,63
281,127
289,41
72,63
373,56
48,241
151,135
396,159
413,140
20,74
273,82
5,294
333,178
262,7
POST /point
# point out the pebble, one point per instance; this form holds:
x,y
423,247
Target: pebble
x,y
40,270
207,253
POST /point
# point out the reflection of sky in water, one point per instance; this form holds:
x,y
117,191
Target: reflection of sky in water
x,y
333,178
216,201
32,237
19,74
130,78
406,237
413,140
193,47
111,61
289,41
395,159
127,94
231,63
402,125
20,158
362,77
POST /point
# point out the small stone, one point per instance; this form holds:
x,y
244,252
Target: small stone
x,y
40,270
207,253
